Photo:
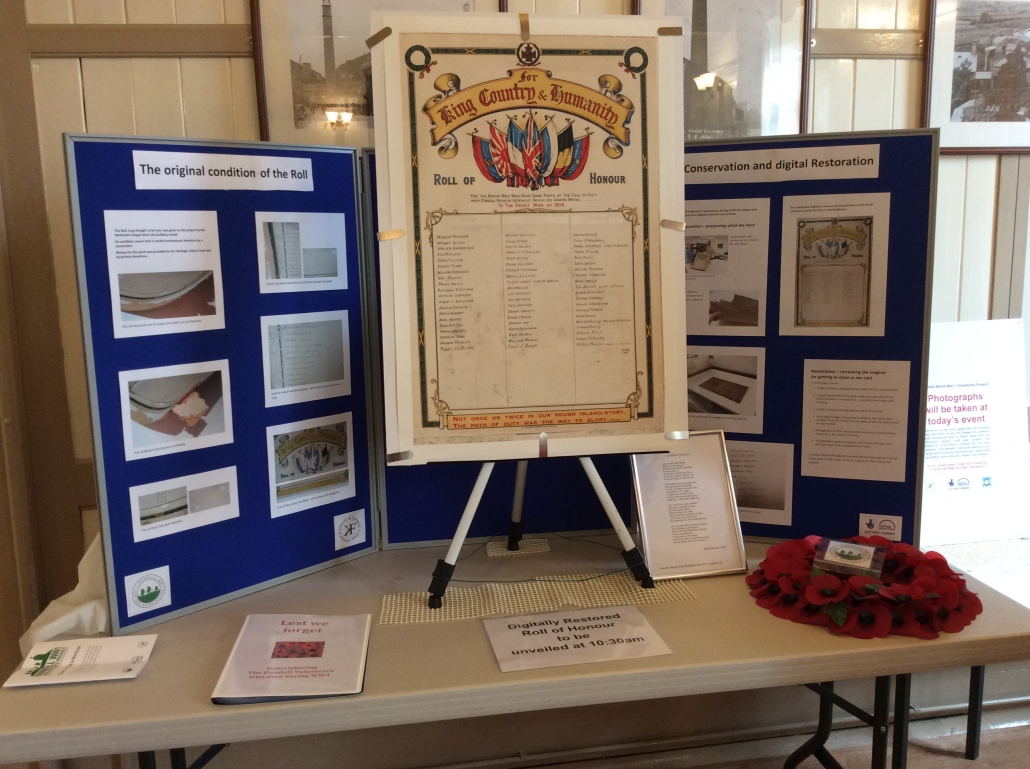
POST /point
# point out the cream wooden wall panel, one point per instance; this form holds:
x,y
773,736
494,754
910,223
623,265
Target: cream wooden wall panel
x,y
652,7
618,7
876,14
150,11
874,94
199,12
107,95
57,87
557,6
947,251
978,237
244,100
49,12
833,83
908,93
237,11
835,14
911,14
99,11
157,97
207,102
485,6
521,6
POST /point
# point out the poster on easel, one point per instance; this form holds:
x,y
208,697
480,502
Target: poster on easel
x,y
528,283
808,263
221,295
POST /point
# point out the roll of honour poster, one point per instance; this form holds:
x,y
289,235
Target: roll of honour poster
x,y
532,234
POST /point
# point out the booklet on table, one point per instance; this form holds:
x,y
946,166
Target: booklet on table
x,y
83,659
294,656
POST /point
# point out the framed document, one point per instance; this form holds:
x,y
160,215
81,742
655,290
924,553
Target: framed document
x,y
979,95
528,286
688,510
833,271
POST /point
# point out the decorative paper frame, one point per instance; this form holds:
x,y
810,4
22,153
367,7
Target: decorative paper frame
x,y
648,543
962,137
395,184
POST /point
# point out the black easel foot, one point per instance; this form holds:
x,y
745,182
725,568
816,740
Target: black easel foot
x,y
441,576
636,564
514,534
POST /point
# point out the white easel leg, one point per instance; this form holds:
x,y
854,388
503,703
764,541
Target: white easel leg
x,y
515,527
630,554
445,568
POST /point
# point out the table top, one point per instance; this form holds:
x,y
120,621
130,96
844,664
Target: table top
x,y
444,670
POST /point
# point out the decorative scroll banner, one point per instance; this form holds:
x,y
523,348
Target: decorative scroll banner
x,y
606,108
857,234
537,418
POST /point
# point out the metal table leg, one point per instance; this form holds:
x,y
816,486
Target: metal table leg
x,y
881,716
976,710
817,745
902,700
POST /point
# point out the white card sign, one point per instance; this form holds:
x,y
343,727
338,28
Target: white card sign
x,y
573,637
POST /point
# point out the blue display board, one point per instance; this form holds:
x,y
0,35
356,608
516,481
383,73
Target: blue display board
x,y
424,503
221,289
901,165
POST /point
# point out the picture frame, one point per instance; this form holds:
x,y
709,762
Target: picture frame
x,y
976,95
444,400
291,51
687,510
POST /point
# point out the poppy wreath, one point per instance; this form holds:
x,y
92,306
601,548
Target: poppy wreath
x,y
917,595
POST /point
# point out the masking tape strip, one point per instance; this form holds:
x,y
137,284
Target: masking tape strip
x,y
389,235
668,224
385,32
524,26
670,31
400,456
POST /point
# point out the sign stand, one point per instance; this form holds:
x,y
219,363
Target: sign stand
x,y
445,567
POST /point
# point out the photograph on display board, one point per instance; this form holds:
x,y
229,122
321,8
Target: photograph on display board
x,y
165,271
310,463
727,262
726,388
763,479
981,62
536,244
833,278
179,504
741,67
301,251
175,408
306,357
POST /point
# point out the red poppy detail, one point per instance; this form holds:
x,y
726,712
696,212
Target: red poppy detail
x,y
825,589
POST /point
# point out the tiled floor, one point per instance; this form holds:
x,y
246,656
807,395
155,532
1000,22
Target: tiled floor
x,y
999,749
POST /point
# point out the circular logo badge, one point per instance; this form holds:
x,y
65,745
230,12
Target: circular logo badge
x,y
847,554
528,54
148,590
349,530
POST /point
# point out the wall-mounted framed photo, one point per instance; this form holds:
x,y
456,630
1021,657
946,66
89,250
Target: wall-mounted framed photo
x,y
980,84
316,69
689,523
741,67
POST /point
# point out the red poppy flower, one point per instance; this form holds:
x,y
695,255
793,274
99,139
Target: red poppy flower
x,y
951,620
902,594
813,614
877,541
790,606
972,602
756,578
790,549
776,566
905,621
871,620
825,589
864,585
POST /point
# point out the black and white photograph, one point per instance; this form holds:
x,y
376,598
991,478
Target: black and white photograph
x,y
980,85
299,251
741,67
306,356
726,388
179,504
707,253
318,69
763,479
734,308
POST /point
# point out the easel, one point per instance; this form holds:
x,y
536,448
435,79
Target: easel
x,y
445,567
